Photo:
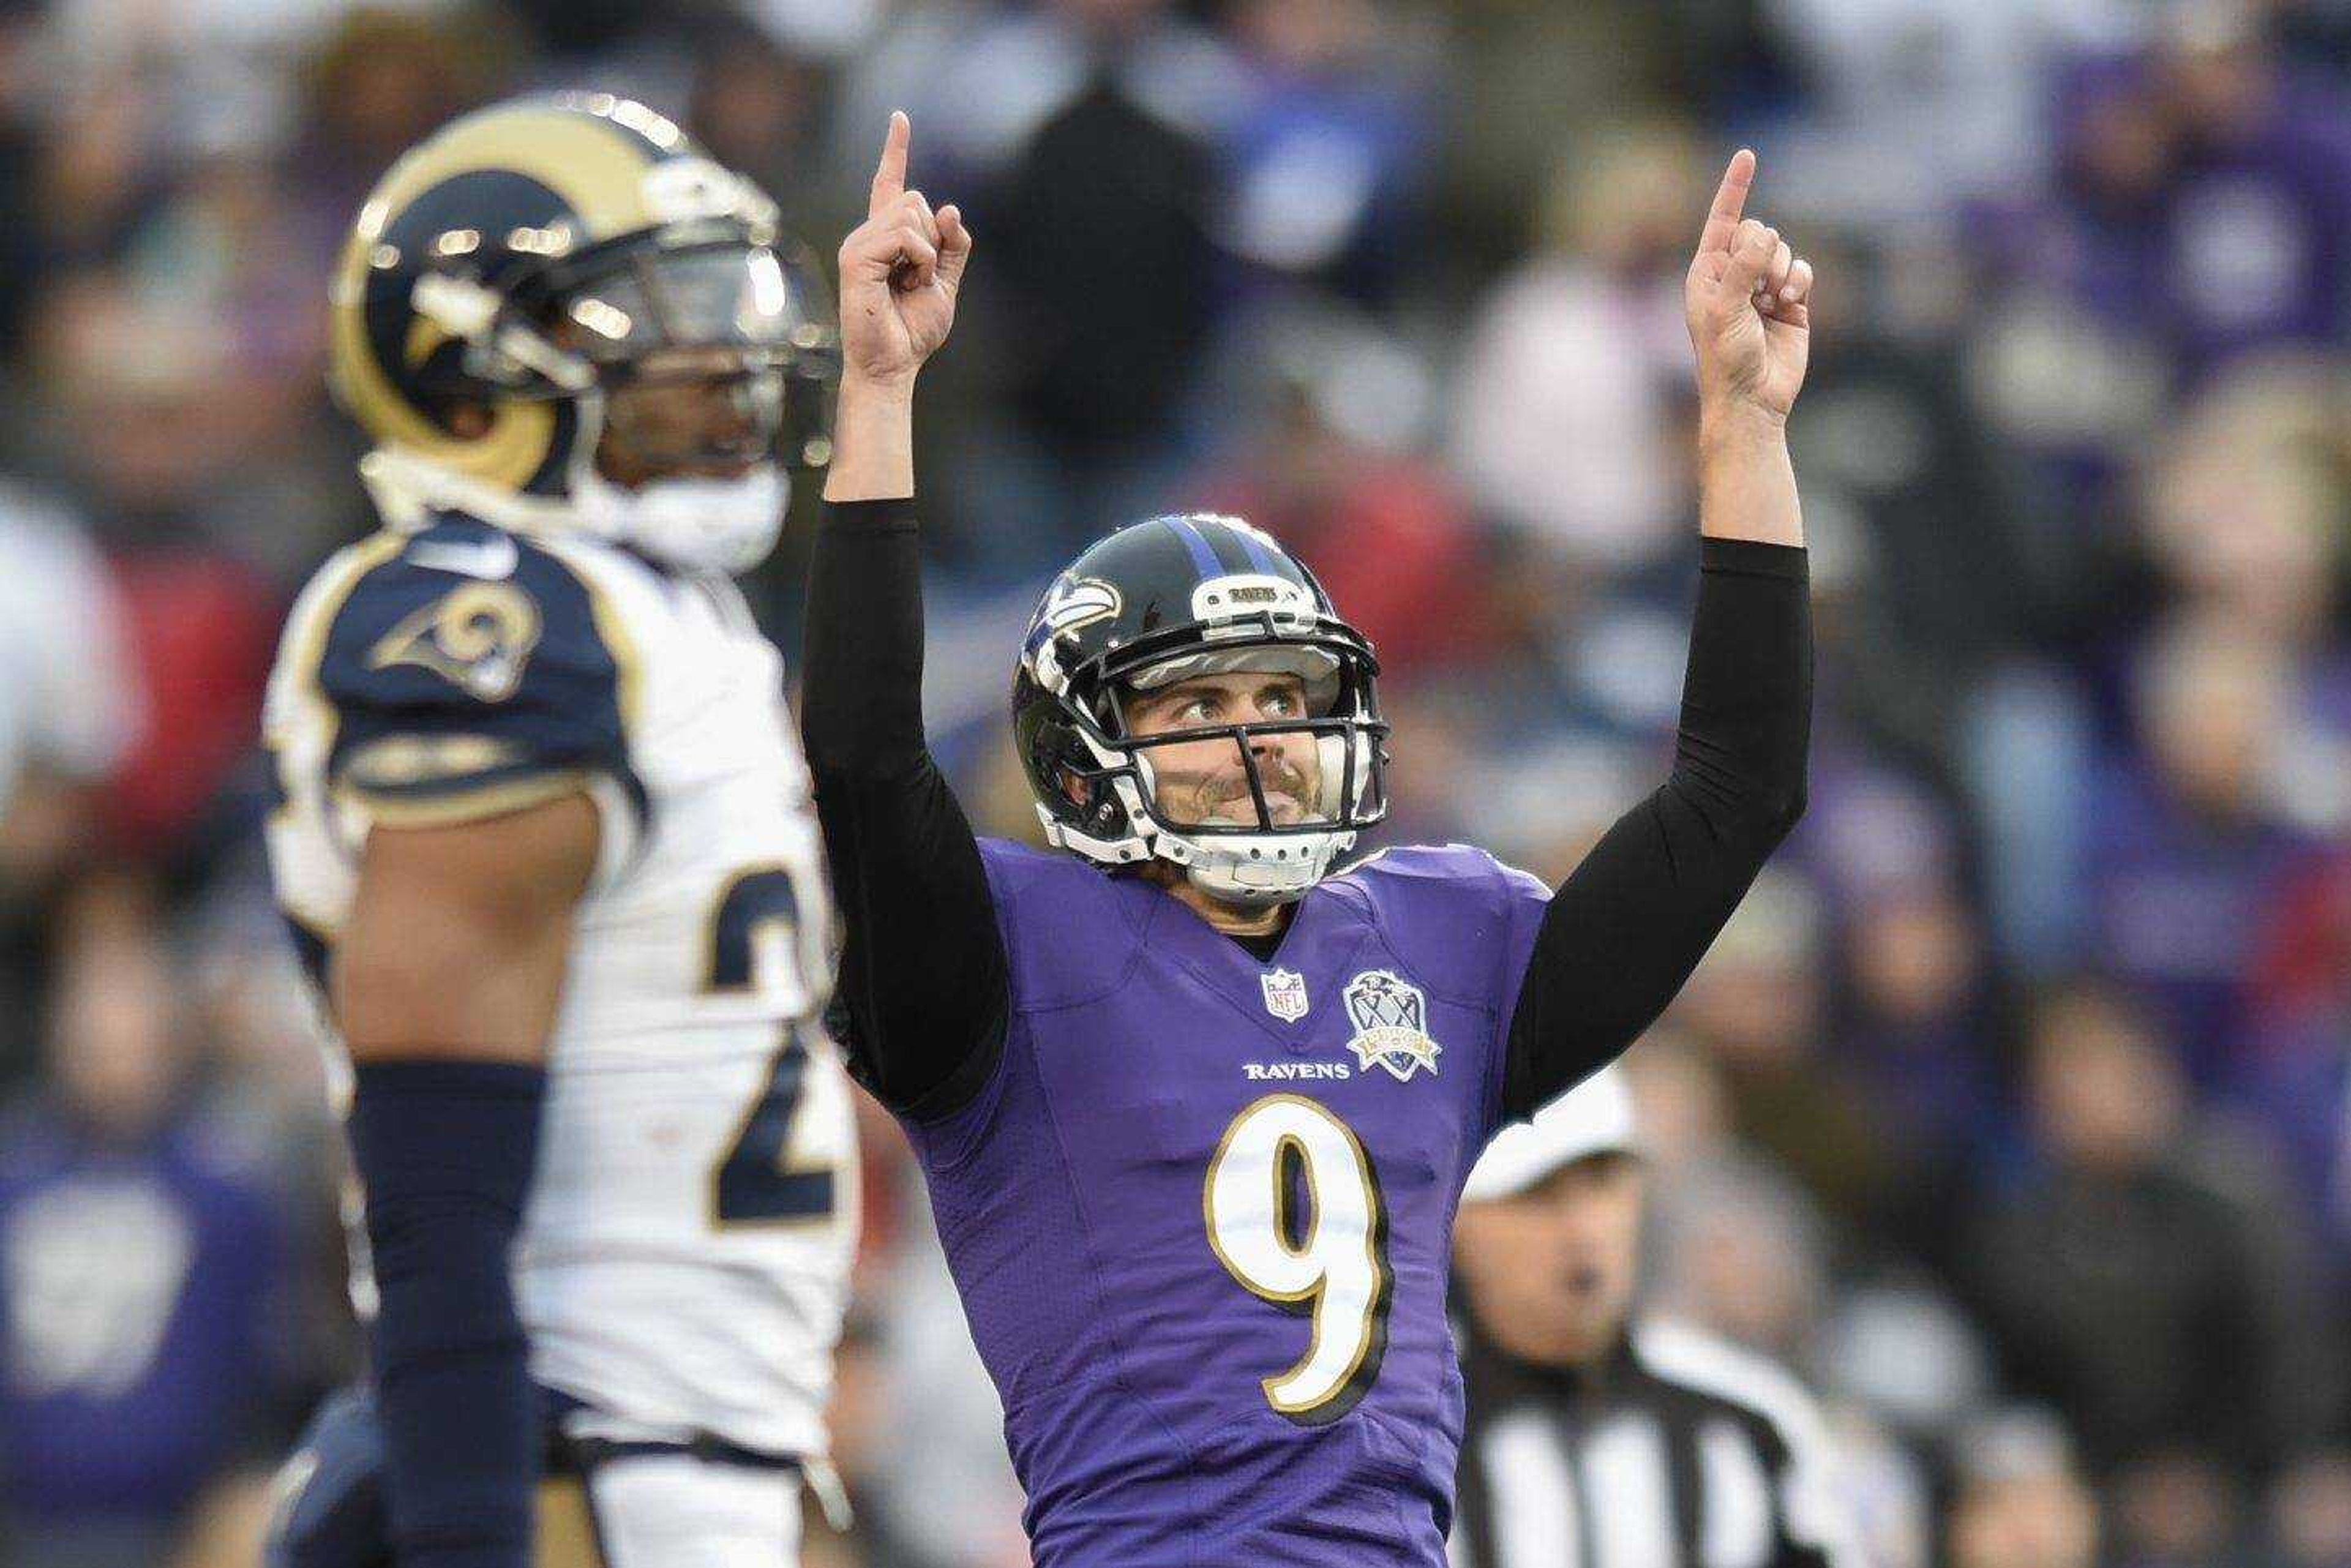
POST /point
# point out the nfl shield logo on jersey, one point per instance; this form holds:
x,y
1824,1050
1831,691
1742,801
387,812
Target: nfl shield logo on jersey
x,y
1285,994
1391,1020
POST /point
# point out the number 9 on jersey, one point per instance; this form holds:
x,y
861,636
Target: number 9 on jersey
x,y
1329,1263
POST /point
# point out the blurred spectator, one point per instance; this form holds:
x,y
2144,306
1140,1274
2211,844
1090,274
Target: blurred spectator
x,y
1756,1005
2294,1075
1107,184
376,83
1936,96
1911,1014
757,108
1734,1245
1743,1251
2310,1513
2187,850
1328,164
1939,562
2067,363
1528,80
69,701
71,704
140,1259
1079,137
166,429
2020,1502
2256,224
22,246
2241,509
2149,1291
1571,420
2204,211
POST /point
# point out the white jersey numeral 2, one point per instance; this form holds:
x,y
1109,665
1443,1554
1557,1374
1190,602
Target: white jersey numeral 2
x,y
1329,1263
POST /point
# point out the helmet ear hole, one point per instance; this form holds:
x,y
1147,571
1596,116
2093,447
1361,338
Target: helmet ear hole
x,y
463,418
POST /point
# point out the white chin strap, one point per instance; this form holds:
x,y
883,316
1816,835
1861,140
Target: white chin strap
x,y
701,525
1231,875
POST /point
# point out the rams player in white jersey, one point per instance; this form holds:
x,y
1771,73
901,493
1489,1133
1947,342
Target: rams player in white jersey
x,y
546,840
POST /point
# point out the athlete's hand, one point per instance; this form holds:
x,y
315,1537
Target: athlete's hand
x,y
1747,297
900,271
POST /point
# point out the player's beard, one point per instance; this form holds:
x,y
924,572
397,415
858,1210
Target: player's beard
x,y
1225,800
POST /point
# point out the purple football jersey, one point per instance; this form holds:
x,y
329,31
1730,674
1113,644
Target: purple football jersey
x,y
1202,1213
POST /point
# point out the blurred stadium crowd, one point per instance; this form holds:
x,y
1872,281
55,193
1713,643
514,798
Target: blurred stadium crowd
x,y
2011,1110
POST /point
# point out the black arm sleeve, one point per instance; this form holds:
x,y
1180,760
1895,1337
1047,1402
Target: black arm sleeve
x,y
1626,928
923,976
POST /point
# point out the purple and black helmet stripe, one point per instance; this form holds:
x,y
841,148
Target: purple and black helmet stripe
x,y
1204,558
1217,549
1259,562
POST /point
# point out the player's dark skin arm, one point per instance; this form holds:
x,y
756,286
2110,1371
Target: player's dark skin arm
x,y
457,936
445,982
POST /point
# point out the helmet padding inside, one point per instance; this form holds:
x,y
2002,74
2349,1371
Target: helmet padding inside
x,y
1318,668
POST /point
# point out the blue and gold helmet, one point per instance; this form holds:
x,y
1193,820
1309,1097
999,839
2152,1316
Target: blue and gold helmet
x,y
1160,602
532,258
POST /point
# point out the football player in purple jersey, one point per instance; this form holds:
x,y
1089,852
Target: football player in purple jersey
x,y
1194,1103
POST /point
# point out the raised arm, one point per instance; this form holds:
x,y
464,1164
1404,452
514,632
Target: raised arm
x,y
1625,929
922,974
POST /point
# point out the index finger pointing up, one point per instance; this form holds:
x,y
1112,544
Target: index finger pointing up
x,y
889,179
1730,203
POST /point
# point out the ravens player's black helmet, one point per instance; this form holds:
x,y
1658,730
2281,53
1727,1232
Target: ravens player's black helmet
x,y
536,258
1166,600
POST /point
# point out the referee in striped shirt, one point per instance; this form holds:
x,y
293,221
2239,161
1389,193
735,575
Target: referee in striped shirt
x,y
1597,1439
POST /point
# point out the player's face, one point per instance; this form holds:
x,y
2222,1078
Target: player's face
x,y
1550,1273
689,411
1204,782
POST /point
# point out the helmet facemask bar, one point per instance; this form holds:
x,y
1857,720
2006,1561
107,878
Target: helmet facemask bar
x,y
725,318
1325,808
703,305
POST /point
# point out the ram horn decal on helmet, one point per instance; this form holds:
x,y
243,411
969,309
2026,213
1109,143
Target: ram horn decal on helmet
x,y
528,260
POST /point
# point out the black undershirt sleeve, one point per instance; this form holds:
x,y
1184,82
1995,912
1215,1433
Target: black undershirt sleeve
x,y
1625,929
923,975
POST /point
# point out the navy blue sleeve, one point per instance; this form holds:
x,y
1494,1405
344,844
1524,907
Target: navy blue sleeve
x,y
445,1152
473,675
1625,929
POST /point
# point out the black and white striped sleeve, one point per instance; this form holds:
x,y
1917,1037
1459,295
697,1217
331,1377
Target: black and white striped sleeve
x,y
1768,1421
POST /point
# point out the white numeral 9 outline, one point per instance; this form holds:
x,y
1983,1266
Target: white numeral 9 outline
x,y
1338,1274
